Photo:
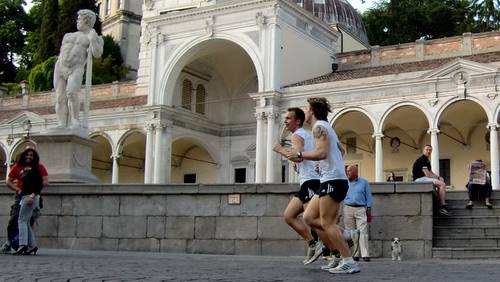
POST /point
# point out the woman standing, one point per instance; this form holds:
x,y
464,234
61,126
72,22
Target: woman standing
x,y
32,180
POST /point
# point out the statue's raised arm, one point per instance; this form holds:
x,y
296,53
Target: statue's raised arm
x,y
70,66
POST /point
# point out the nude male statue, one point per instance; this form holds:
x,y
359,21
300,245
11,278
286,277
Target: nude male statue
x,y
70,65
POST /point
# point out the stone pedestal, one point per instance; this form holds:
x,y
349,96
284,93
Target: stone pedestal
x,y
67,157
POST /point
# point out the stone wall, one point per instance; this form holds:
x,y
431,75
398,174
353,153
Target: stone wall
x,y
198,218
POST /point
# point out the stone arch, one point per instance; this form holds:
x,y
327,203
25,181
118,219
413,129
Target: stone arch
x,y
196,140
102,164
181,56
450,102
19,147
394,107
3,161
354,109
119,145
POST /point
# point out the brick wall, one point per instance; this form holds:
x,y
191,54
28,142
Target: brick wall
x,y
198,219
421,50
103,96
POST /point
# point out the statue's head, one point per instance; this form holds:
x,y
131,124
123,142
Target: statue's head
x,y
86,18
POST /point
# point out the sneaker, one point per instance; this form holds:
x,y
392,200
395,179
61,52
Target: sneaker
x,y
345,268
310,252
367,259
332,264
5,249
444,211
318,250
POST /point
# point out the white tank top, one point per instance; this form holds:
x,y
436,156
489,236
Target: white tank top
x,y
332,167
306,169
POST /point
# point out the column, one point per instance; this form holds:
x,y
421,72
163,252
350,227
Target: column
x,y
260,149
275,54
273,167
379,157
495,167
163,153
148,162
435,149
116,169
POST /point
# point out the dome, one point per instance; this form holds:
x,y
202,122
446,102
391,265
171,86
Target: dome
x,y
337,11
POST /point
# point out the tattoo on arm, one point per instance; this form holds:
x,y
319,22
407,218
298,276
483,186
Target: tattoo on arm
x,y
320,133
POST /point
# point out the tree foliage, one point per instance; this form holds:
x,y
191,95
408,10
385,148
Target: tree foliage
x,y
486,14
14,23
68,14
401,21
109,67
48,40
41,76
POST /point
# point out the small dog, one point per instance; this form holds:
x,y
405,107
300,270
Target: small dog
x,y
397,249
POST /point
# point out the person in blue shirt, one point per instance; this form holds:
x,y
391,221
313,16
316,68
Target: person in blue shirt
x,y
357,210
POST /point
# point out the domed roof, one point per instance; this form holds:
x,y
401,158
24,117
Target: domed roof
x,y
337,11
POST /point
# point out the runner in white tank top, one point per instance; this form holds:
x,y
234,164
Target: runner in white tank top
x,y
333,187
309,182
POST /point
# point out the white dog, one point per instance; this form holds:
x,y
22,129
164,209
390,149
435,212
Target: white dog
x,y
397,249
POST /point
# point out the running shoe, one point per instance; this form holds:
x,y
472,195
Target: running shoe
x,y
318,250
310,252
345,268
332,264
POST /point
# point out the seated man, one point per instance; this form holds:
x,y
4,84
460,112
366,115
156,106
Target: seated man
x,y
479,184
422,172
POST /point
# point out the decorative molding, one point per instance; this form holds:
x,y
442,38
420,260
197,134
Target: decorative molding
x,y
492,95
209,26
149,4
149,126
272,115
260,20
492,126
433,102
433,130
260,115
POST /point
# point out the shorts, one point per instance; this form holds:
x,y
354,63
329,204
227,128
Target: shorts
x,y
337,189
307,190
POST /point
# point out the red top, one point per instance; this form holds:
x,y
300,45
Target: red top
x,y
17,172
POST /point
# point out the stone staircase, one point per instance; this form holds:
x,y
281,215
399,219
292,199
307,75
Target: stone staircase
x,y
467,233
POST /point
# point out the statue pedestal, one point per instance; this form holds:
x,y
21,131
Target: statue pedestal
x,y
67,156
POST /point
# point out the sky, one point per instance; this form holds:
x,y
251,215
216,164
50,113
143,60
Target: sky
x,y
355,3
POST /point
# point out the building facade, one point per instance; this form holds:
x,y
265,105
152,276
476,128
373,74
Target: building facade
x,y
215,77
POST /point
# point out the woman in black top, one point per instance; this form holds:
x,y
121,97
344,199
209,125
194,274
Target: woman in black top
x,y
30,196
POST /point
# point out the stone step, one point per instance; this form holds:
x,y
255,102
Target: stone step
x,y
460,220
475,211
466,230
466,253
463,195
466,242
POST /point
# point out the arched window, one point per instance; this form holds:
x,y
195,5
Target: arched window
x,y
200,99
187,91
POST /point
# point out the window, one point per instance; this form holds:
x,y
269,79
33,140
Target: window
x,y
187,91
444,170
351,145
200,99
108,7
240,175
190,178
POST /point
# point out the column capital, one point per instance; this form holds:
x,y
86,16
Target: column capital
x,y
116,156
433,130
492,126
260,115
378,135
160,125
149,125
272,115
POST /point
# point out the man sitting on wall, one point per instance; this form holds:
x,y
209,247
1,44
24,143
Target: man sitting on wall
x,y
422,172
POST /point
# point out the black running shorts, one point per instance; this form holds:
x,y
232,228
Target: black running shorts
x,y
307,190
337,189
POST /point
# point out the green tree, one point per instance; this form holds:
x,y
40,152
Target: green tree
x,y
109,67
14,23
486,14
48,40
402,21
41,76
68,14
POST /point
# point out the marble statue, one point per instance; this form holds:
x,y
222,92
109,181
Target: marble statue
x,y
76,49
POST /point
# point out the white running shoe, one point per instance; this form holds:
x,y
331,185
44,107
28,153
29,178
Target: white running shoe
x,y
318,250
310,253
332,264
345,268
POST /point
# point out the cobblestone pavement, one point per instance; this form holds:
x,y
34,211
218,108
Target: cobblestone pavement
x,y
71,265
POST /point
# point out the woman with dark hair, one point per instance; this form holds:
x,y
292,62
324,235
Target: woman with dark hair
x,y
27,178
